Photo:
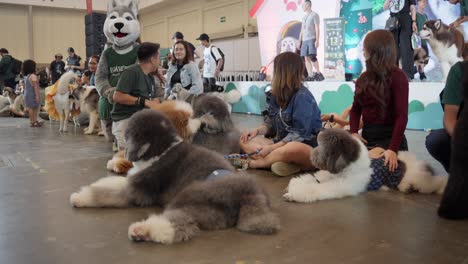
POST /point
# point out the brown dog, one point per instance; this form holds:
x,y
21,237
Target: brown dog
x,y
180,114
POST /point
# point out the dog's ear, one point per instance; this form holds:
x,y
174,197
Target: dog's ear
x,y
111,5
438,24
133,5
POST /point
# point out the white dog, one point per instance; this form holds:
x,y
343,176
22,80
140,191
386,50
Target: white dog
x,y
62,100
347,170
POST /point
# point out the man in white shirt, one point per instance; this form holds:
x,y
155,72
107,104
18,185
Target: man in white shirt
x,y
309,42
213,63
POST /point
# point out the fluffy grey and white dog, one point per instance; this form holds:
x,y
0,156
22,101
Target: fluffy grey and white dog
x,y
196,195
217,131
347,170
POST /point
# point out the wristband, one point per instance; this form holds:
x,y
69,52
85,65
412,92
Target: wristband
x,y
137,101
141,102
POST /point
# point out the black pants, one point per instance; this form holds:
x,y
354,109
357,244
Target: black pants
x,y
438,144
402,38
209,85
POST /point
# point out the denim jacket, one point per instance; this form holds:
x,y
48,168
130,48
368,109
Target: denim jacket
x,y
189,75
299,121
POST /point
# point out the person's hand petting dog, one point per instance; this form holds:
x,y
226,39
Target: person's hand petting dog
x,y
391,159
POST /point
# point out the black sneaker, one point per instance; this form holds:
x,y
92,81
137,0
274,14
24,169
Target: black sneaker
x,y
319,77
309,79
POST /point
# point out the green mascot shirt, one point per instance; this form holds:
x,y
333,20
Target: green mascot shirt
x,y
116,63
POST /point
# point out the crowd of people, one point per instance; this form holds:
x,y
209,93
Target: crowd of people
x,y
285,141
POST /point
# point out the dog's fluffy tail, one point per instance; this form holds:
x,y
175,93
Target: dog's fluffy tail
x,y
419,176
64,81
232,96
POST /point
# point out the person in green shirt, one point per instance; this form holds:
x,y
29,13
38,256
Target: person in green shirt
x,y
438,142
463,12
135,90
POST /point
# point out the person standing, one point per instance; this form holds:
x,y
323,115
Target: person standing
x,y
92,66
213,63
56,68
309,40
73,62
31,92
421,18
7,77
405,12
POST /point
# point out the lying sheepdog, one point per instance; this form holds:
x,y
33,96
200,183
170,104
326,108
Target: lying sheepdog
x,y
347,170
196,195
217,131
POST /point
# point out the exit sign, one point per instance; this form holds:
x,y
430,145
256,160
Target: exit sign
x,y
222,19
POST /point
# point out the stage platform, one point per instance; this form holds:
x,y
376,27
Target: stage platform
x,y
425,111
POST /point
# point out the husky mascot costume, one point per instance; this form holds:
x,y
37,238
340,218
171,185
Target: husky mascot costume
x,y
122,30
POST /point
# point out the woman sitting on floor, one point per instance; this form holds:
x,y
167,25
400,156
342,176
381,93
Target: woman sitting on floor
x,y
381,98
293,121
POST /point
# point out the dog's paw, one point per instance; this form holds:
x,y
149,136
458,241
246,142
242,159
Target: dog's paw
x,y
156,229
139,232
288,197
82,198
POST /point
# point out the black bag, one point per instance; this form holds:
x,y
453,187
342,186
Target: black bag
x,y
222,56
392,24
16,66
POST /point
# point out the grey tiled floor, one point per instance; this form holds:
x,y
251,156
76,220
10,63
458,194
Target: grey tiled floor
x,y
37,224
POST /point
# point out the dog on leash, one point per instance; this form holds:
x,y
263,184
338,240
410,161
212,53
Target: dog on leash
x,y
87,99
180,114
179,93
217,131
446,43
196,195
347,170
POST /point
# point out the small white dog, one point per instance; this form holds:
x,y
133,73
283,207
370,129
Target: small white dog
x,y
62,100
347,170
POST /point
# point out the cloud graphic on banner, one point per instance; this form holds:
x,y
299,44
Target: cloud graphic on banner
x,y
415,106
336,101
431,117
253,102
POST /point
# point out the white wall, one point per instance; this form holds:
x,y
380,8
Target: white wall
x,y
98,5
241,54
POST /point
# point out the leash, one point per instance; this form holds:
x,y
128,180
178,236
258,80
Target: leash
x,y
242,156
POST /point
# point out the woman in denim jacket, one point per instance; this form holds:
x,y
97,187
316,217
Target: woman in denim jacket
x,y
183,70
293,121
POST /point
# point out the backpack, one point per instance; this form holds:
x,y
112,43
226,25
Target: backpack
x,y
16,66
222,56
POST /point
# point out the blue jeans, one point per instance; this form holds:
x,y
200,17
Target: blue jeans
x,y
439,144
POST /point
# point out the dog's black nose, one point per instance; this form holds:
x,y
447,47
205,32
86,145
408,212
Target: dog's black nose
x,y
119,25
202,125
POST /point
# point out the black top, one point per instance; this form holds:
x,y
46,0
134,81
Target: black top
x,y
56,70
402,6
176,76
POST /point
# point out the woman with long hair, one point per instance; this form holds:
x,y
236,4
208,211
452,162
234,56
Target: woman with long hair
x,y
293,121
381,99
183,70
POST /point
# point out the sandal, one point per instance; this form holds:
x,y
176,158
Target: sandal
x,y
36,124
239,162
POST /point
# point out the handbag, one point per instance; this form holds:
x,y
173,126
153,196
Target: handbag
x,y
392,24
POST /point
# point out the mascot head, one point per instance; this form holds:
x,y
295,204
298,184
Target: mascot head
x,y
122,27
